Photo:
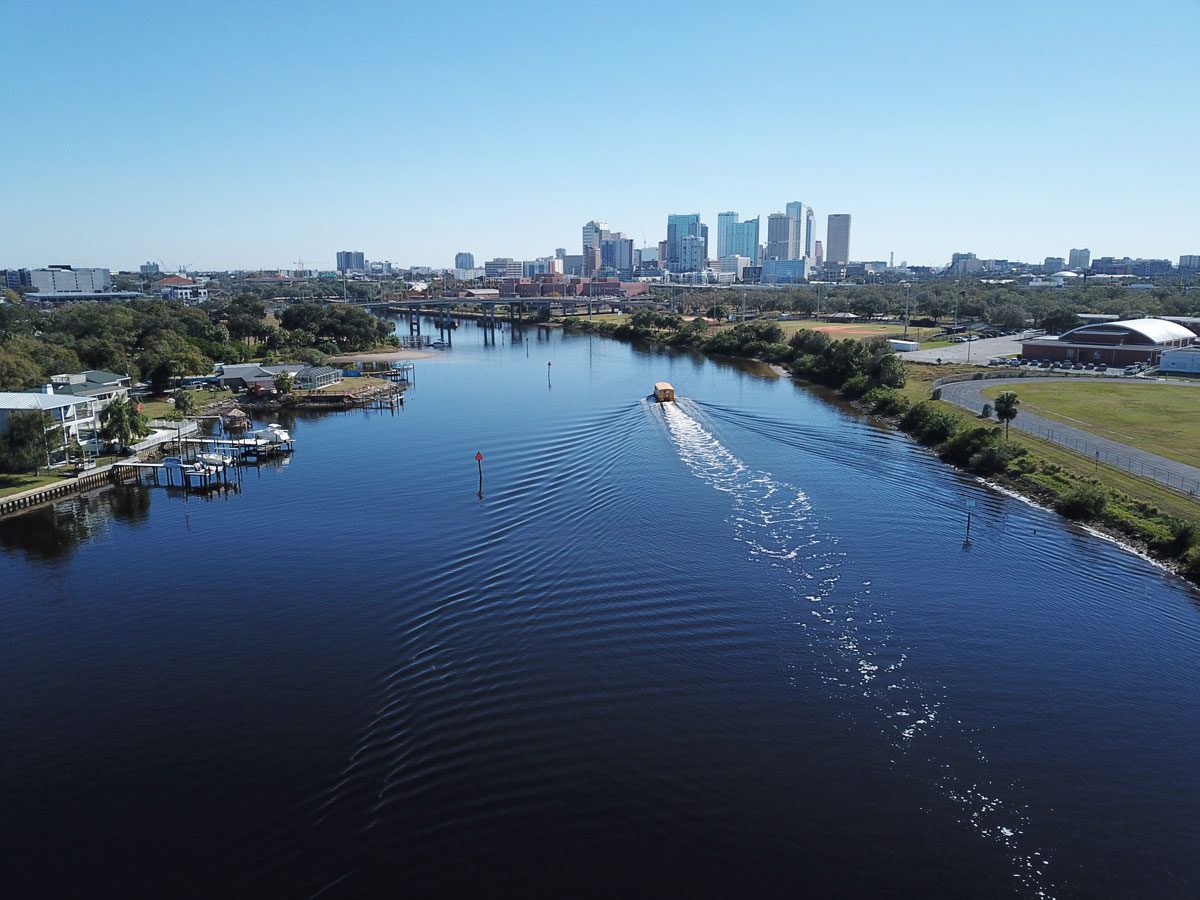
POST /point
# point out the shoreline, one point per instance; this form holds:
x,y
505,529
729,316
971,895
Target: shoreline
x,y
1098,529
382,356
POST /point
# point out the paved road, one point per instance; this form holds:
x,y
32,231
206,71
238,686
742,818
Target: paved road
x,y
979,352
969,395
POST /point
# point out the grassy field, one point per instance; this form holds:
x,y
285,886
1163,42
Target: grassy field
x,y
14,484
922,375
346,385
1162,419
161,409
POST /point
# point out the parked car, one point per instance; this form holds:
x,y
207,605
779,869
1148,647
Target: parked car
x,y
1130,370
1101,367
1078,367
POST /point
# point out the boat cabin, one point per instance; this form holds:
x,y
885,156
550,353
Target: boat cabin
x,y
663,392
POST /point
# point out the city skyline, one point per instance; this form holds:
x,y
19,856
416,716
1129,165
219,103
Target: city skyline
x,y
985,145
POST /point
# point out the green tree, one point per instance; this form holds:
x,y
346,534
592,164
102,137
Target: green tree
x,y
24,446
185,403
1006,409
121,422
18,371
283,382
1059,321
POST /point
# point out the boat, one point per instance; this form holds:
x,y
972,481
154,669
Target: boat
x,y
215,459
664,392
272,434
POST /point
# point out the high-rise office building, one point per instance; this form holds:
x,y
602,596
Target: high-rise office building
x,y
593,234
801,216
736,238
616,253
1080,259
693,253
818,253
810,227
837,238
1053,264
680,227
1189,262
351,261
464,260
781,236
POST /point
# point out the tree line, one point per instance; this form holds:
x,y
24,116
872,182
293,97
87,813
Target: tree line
x,y
1002,305
157,340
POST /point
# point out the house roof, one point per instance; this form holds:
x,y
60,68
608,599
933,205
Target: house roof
x,y
173,281
252,371
35,400
102,377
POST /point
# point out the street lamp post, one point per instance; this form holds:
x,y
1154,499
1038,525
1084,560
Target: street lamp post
x,y
907,288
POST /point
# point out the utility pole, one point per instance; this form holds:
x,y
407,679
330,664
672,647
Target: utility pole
x,y
907,288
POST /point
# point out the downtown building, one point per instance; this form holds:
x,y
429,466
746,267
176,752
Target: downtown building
x,y
837,239
351,262
681,228
1079,259
503,267
802,232
781,236
464,260
735,238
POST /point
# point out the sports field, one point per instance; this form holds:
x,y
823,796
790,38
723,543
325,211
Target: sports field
x,y
1160,418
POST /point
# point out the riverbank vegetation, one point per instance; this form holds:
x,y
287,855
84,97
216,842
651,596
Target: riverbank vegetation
x,y
1165,523
1162,521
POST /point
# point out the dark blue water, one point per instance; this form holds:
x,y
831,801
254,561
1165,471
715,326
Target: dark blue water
x,y
731,646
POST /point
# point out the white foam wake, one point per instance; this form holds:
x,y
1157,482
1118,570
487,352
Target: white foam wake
x,y
854,651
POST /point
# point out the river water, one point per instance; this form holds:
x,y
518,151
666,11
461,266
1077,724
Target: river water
x,y
730,646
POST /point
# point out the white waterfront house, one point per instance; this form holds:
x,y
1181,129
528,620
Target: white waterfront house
x,y
68,419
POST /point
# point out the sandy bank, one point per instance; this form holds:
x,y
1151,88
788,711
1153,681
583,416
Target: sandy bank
x,y
383,356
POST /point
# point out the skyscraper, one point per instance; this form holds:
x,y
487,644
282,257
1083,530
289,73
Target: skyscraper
x,y
678,228
593,235
616,253
800,215
1081,259
464,260
810,227
736,238
351,261
818,253
837,239
781,236
693,252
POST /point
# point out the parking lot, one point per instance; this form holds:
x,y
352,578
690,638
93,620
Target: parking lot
x,y
976,352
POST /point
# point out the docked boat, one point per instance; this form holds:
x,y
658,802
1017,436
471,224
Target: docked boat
x,y
215,459
664,392
272,434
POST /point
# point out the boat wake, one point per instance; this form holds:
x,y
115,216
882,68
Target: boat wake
x,y
849,646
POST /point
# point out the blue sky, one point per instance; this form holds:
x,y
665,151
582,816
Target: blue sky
x,y
226,135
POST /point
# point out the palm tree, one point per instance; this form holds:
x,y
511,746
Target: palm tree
x,y
185,403
1006,409
122,422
